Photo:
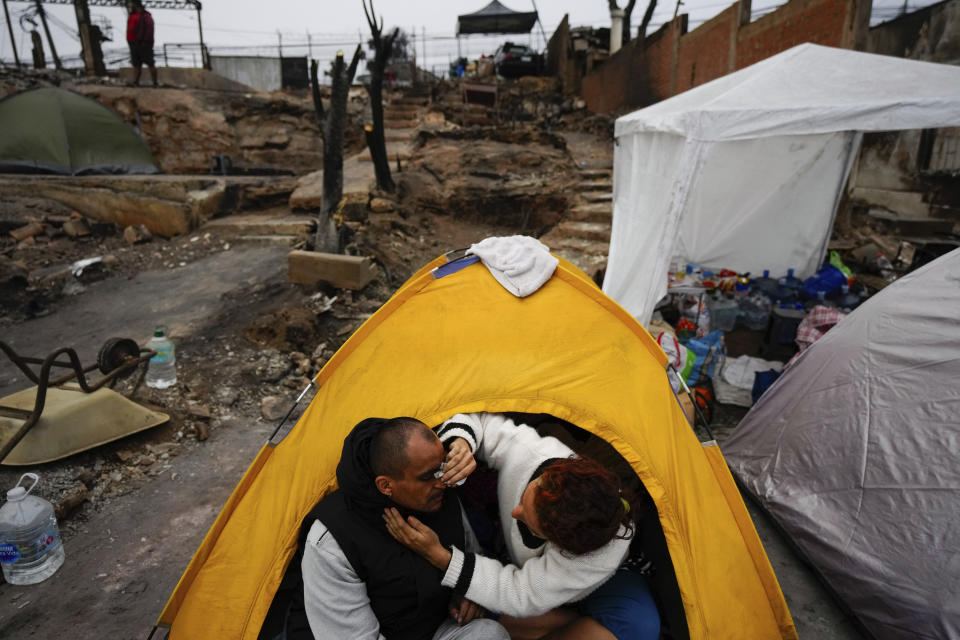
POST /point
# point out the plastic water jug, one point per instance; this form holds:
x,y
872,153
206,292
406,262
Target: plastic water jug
x,y
755,311
30,546
162,369
765,285
847,300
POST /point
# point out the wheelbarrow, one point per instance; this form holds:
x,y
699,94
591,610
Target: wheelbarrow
x,y
67,413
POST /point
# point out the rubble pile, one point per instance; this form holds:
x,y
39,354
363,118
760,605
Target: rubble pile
x,y
48,253
260,133
509,177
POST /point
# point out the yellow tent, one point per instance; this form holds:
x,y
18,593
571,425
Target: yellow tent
x,y
462,343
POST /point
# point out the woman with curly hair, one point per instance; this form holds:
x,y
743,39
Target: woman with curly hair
x,y
567,525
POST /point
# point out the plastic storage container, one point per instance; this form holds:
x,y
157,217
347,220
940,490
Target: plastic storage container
x,y
162,369
723,312
30,546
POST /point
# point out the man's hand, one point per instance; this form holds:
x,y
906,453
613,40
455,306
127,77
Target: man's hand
x,y
459,462
464,611
417,537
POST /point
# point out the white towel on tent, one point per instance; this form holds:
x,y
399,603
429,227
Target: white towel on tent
x,y
520,263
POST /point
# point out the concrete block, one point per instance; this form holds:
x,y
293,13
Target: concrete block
x,y
343,272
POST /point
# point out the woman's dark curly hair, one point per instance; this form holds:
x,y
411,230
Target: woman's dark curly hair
x,y
581,505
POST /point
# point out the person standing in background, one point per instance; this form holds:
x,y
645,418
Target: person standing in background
x,y
140,39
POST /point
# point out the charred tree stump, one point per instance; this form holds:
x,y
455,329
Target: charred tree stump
x,y
383,47
331,121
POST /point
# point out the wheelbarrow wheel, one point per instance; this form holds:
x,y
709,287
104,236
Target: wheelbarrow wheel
x,y
115,353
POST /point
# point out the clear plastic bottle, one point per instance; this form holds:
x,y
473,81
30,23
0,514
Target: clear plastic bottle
x,y
30,546
886,268
162,370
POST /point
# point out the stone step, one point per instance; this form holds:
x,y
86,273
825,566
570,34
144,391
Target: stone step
x,y
404,157
589,263
268,224
598,196
398,123
911,225
558,242
277,240
589,173
401,111
596,231
595,185
595,212
417,101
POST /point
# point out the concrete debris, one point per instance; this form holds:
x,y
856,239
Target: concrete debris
x,y
76,228
27,231
137,234
274,407
342,272
382,205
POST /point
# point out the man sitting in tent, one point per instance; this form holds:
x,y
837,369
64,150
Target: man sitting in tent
x,y
360,583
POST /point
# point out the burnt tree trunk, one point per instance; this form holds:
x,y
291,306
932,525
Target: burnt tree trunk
x,y
383,47
331,121
647,15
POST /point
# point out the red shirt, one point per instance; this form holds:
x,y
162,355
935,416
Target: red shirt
x,y
140,27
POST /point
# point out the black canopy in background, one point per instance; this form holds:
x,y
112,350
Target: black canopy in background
x,y
496,18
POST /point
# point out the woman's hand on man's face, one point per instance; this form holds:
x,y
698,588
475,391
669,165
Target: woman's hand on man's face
x,y
459,462
417,537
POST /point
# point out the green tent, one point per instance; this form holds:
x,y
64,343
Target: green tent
x,y
53,130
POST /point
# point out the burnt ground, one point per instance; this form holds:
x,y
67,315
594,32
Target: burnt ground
x,y
133,512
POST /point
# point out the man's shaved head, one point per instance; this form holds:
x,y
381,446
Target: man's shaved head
x,y
388,449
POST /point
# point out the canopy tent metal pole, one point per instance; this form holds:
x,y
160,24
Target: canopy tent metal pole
x,y
13,44
543,33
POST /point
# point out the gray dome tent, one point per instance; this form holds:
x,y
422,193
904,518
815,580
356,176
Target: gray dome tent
x,y
53,130
855,452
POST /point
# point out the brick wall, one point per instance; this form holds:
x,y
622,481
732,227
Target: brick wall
x,y
673,60
817,21
704,52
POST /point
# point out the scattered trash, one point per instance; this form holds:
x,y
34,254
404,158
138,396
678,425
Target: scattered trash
x,y
78,267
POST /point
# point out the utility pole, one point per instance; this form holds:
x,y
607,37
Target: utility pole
x,y
46,29
92,54
13,44
204,58
279,44
309,45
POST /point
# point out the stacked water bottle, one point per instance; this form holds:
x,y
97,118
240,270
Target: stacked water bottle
x,y
737,298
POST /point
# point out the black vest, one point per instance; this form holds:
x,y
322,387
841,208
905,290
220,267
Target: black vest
x,y
404,589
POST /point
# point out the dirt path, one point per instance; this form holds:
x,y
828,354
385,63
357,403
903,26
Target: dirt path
x,y
123,564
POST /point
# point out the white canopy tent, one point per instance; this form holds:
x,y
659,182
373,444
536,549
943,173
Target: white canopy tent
x,y
746,172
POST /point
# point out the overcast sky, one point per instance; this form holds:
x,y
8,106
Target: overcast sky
x,y
252,26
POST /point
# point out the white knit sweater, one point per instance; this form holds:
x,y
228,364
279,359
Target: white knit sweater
x,y
541,578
